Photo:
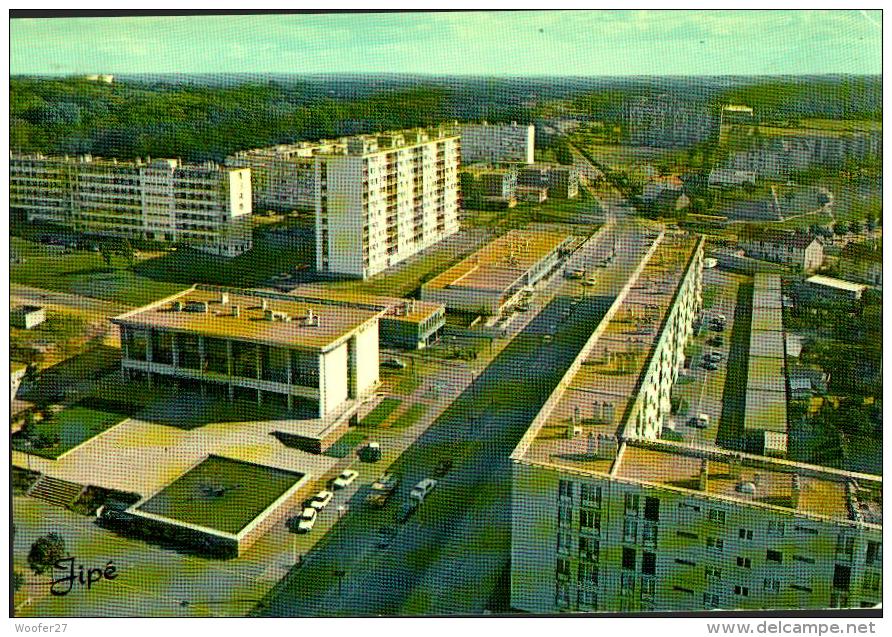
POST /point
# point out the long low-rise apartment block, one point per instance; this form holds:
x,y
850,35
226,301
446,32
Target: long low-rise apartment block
x,y
608,516
492,277
270,348
206,206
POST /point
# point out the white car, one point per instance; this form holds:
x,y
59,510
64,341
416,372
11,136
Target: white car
x,y
345,479
307,520
321,499
421,490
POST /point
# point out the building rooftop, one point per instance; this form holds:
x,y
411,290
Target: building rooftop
x,y
838,284
284,321
501,262
595,400
395,308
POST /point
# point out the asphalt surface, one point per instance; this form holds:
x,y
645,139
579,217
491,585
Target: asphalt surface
x,y
447,557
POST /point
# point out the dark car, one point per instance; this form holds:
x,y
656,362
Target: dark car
x,y
407,509
716,341
443,467
707,364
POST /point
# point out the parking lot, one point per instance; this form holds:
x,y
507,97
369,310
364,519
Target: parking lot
x,y
704,390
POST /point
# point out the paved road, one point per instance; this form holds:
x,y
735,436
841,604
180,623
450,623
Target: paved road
x,y
448,556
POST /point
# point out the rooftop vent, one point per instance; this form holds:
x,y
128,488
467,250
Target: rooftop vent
x,y
264,304
236,311
177,306
311,318
224,298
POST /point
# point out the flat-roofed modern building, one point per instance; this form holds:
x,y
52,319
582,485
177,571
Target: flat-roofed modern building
x,y
607,516
836,287
494,143
263,347
381,199
206,206
492,277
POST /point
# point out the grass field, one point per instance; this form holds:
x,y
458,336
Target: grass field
x,y
380,413
345,444
84,273
221,494
74,426
410,416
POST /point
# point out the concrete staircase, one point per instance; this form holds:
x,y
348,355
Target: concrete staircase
x,y
55,491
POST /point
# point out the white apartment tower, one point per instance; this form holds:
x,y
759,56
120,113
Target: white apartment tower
x,y
381,199
496,143
206,206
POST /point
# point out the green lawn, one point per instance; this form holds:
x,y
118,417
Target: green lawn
x,y
346,444
84,273
410,416
74,426
221,493
380,413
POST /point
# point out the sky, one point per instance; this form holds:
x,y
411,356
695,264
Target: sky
x,y
646,42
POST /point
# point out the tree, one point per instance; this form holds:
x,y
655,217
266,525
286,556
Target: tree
x,y
45,552
126,250
28,430
105,250
18,580
855,226
841,228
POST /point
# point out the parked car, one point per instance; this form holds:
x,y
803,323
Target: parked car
x,y
307,520
371,452
715,357
346,478
386,535
443,467
716,341
382,489
421,490
590,281
321,500
708,364
394,363
700,421
717,327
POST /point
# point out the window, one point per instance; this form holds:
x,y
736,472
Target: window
x,y
626,583
842,576
716,516
774,556
628,559
710,600
590,495
649,534
871,582
806,529
713,573
679,560
588,549
562,595
686,534
744,562
562,570
652,509
874,554
588,574
587,599
845,547
630,531
716,543
800,587
745,534
564,542
589,520
775,528
565,489
802,558
771,586
742,590
648,586
565,516
631,504
649,563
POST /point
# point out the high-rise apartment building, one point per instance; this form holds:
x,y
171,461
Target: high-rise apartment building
x,y
665,122
611,515
381,199
495,143
206,206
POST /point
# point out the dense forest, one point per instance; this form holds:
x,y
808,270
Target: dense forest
x,y
197,119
